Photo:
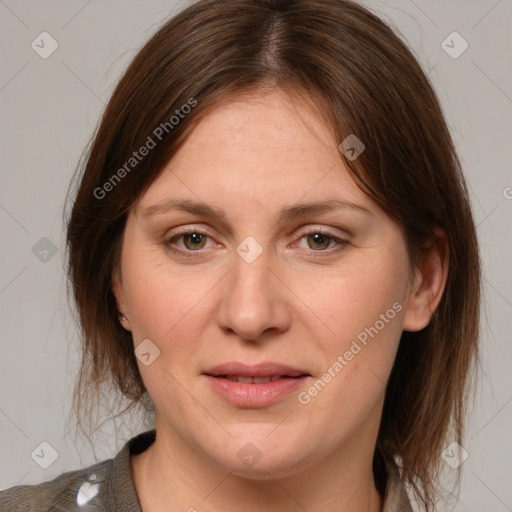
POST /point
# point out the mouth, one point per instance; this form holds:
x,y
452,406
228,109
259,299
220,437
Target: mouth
x,y
255,374
255,386
253,380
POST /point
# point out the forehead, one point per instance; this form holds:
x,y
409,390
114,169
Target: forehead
x,y
269,148
257,120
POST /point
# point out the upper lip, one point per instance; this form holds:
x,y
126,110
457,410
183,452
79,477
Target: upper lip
x,y
267,369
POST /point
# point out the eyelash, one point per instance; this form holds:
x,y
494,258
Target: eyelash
x,y
190,254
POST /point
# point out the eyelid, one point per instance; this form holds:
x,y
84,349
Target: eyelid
x,y
341,240
325,231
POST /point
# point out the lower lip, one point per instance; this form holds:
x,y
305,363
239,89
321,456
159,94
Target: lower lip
x,y
255,395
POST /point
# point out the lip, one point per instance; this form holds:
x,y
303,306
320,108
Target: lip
x,y
266,369
255,395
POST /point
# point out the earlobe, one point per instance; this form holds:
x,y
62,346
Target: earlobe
x,y
428,285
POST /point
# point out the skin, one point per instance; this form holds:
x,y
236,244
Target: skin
x,y
299,303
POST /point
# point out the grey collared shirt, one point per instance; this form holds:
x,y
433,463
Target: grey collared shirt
x,y
108,487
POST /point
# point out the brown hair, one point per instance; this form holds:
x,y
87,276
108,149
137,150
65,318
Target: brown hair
x,y
363,80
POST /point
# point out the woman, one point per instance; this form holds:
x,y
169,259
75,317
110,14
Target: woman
x,y
271,247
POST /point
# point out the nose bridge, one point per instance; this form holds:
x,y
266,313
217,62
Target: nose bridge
x,y
252,301
252,265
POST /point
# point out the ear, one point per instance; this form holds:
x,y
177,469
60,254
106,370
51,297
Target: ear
x,y
428,284
118,291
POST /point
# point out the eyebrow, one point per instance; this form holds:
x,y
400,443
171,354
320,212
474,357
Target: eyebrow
x,y
285,214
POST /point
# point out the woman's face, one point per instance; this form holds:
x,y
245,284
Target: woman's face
x,y
264,278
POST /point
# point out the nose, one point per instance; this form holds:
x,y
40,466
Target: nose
x,y
254,303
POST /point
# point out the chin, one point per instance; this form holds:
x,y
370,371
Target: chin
x,y
258,456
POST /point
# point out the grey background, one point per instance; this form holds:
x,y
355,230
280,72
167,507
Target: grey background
x,y
49,108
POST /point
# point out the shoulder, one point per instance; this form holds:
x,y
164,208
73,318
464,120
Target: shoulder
x,y
105,487
54,494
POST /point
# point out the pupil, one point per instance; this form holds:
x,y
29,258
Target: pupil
x,y
194,238
319,238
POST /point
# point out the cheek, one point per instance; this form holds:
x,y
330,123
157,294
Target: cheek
x,y
172,308
353,299
166,308
160,297
361,310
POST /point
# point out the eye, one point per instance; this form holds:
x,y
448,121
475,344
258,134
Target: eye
x,y
319,240
193,240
